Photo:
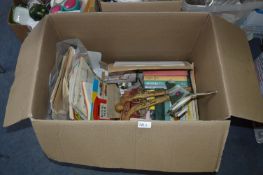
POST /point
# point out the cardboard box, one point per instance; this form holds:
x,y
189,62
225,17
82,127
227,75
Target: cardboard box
x,y
223,62
151,6
22,31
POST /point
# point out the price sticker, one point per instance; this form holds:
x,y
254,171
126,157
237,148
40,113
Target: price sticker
x,y
144,124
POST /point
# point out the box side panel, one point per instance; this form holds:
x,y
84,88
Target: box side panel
x,y
21,95
166,146
157,6
46,64
48,133
209,76
181,146
134,36
100,144
239,75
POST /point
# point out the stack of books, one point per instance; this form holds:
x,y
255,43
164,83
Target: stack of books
x,y
159,78
166,79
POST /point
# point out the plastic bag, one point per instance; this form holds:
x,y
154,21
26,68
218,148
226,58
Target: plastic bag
x,y
67,56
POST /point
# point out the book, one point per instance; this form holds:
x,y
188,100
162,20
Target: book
x,y
100,109
154,83
166,73
123,66
149,63
87,91
170,84
167,106
163,83
159,111
94,94
190,114
155,87
165,78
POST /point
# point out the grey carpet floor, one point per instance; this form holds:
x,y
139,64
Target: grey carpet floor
x,y
20,152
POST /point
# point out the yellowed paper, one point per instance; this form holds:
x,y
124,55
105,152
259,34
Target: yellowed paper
x,y
59,106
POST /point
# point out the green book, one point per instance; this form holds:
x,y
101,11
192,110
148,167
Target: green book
x,y
160,111
163,83
167,106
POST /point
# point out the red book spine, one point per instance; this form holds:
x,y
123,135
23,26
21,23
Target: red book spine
x,y
96,108
166,73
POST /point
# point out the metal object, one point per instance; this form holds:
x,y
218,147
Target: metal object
x,y
136,100
175,109
140,100
126,115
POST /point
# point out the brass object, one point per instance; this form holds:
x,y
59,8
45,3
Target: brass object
x,y
141,101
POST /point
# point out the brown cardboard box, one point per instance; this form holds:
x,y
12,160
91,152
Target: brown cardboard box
x,y
151,6
223,62
22,31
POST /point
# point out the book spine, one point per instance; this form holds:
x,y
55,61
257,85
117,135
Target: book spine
x,y
155,87
165,78
166,73
167,106
154,83
86,100
163,83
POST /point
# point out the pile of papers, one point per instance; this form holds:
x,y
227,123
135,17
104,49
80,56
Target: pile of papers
x,y
77,92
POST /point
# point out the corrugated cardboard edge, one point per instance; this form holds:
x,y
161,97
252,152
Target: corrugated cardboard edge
x,y
220,64
242,95
20,99
155,6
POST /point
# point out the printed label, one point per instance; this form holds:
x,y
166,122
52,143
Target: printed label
x,y
103,110
144,124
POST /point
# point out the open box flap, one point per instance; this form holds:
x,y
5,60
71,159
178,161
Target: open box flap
x,y
20,99
238,71
192,146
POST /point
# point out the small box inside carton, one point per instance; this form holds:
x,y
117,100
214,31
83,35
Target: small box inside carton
x,y
222,59
187,66
120,68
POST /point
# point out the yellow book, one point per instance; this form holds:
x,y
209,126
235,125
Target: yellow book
x,y
165,78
